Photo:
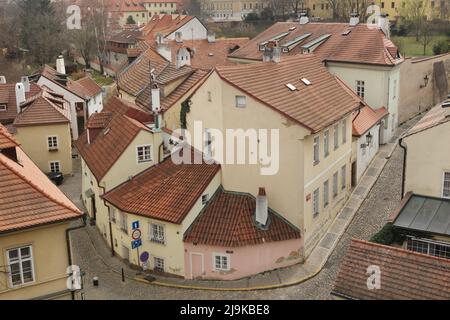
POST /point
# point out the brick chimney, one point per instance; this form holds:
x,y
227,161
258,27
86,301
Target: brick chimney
x,y
262,207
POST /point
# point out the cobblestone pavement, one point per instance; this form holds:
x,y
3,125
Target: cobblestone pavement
x,y
371,217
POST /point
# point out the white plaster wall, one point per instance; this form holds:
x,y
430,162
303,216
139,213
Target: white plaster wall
x,y
194,29
365,158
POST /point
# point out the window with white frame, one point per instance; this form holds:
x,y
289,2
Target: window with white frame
x,y
344,132
335,185
20,263
433,248
205,199
343,176
2,107
241,101
446,185
124,222
55,166
316,150
315,202
221,262
144,153
326,197
326,143
158,264
157,233
52,142
360,89
336,136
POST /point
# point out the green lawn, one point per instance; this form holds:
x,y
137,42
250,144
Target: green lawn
x,y
409,47
101,80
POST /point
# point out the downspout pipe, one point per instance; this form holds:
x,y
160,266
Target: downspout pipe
x,y
69,248
109,218
405,154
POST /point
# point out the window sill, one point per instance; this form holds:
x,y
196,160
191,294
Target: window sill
x,y
315,163
158,242
53,149
145,161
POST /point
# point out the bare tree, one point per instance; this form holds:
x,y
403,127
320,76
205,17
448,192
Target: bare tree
x,y
416,12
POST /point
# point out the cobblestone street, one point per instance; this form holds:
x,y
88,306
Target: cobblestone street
x,y
372,215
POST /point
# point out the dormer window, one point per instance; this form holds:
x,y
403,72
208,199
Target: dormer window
x,y
2,107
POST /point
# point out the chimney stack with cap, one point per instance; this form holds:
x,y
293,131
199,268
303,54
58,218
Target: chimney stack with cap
x,y
354,19
272,52
20,95
26,83
262,207
60,65
304,19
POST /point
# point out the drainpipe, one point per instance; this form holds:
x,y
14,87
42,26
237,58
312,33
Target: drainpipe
x,y
405,152
359,111
69,249
109,218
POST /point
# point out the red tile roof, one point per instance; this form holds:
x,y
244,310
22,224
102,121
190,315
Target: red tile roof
x,y
367,119
43,108
103,152
91,88
315,106
205,55
144,99
435,117
362,45
228,220
8,96
165,24
27,197
6,139
165,192
405,274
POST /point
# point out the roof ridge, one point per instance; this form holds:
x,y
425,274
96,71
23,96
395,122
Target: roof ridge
x,y
4,133
36,187
400,250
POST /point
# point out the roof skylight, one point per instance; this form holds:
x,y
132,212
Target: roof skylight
x,y
291,87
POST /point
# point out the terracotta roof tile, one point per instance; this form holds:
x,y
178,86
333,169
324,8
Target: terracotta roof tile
x,y
27,197
8,94
43,108
91,88
314,106
70,85
228,221
433,118
101,154
144,99
164,24
366,119
6,139
405,275
361,45
165,192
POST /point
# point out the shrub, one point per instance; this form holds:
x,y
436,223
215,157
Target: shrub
x,y
441,47
388,235
252,16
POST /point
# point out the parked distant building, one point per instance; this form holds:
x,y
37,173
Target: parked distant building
x,y
371,271
34,219
43,129
364,58
85,97
231,10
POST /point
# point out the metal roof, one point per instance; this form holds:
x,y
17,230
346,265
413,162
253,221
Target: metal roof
x,y
425,214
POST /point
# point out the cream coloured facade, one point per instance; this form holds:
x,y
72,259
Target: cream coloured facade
x,y
231,10
290,191
379,86
38,142
48,257
428,161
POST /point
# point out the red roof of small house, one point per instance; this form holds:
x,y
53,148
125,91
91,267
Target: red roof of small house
x,y
435,117
404,274
8,97
27,197
367,119
91,88
166,191
228,220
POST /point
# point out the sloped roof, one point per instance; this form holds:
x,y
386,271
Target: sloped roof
x,y
314,106
165,24
8,96
27,197
72,86
144,99
91,88
6,139
103,152
405,275
435,117
228,220
43,108
362,45
366,119
136,77
166,191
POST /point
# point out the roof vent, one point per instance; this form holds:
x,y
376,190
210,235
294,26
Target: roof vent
x,y
346,32
306,81
291,87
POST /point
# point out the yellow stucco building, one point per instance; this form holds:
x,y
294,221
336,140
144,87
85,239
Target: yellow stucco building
x,y
231,10
34,222
43,129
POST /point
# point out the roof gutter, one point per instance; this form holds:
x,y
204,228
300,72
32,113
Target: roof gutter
x,y
69,249
405,154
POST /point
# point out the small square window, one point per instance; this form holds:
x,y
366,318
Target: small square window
x,y
2,107
144,153
55,166
241,101
221,262
205,199
52,143
158,264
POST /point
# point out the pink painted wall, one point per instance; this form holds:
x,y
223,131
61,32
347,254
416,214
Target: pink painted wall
x,y
244,261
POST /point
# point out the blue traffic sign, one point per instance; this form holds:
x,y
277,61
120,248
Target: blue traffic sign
x,y
135,225
136,243
144,256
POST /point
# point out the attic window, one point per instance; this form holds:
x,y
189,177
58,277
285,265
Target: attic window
x,y
291,87
2,107
210,54
306,81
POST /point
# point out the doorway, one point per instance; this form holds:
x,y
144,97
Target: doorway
x,y
94,208
354,174
197,265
